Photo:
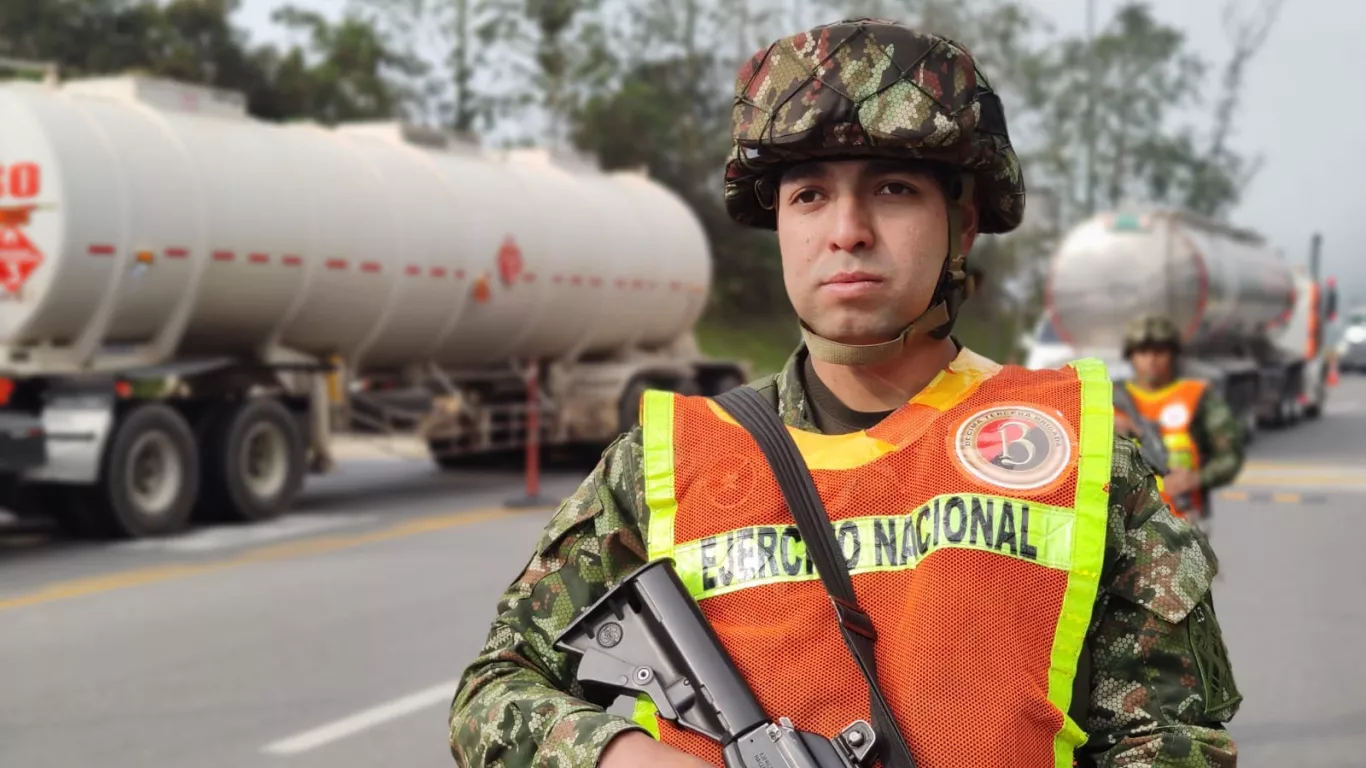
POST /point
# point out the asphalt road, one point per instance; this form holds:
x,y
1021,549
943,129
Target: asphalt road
x,y
334,637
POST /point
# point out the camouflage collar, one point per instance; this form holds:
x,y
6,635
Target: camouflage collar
x,y
793,404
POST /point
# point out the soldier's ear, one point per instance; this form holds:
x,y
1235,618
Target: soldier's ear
x,y
969,220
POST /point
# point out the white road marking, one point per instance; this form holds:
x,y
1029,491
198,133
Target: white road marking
x,y
229,536
349,726
377,448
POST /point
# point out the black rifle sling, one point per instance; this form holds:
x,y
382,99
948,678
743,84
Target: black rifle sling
x,y
758,417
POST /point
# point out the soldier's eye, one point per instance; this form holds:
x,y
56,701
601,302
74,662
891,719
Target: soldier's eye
x,y
898,188
805,196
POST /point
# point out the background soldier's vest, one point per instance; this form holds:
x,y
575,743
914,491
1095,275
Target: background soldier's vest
x,y
974,523
1172,408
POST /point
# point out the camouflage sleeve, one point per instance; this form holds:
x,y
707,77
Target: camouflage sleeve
x,y
1221,440
1161,683
517,704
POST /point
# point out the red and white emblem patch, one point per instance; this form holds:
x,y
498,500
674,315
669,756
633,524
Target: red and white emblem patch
x,y
1014,446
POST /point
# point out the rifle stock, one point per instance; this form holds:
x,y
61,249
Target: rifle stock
x,y
647,635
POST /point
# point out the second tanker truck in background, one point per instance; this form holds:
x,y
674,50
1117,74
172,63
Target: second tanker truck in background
x,y
193,302
1252,323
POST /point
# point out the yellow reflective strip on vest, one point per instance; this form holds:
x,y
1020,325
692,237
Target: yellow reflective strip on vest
x,y
657,440
1150,395
645,715
772,554
1178,441
850,450
1095,462
964,376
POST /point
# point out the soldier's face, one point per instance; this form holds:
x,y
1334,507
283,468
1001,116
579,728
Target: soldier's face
x,y
863,243
1152,366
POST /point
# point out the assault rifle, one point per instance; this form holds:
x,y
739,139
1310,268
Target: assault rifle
x,y
647,635
1150,444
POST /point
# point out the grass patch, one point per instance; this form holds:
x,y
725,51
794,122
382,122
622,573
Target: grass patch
x,y
765,343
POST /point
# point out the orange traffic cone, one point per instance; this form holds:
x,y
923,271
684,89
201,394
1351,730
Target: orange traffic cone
x,y
1333,373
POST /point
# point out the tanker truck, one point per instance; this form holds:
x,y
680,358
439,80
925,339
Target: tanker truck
x,y
1252,324
196,304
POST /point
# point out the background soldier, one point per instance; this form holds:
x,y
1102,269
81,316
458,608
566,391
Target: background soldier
x,y
1204,440
878,153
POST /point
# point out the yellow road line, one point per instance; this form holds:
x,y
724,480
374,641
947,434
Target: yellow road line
x,y
1324,481
63,590
1292,466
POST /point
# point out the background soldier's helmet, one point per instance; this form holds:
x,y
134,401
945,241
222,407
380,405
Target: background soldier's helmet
x,y
1151,331
869,88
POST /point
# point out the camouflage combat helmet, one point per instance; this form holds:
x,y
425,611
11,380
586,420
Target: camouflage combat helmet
x,y
869,88
1151,331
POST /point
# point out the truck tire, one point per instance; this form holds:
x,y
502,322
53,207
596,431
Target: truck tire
x,y
150,477
1314,409
726,382
254,462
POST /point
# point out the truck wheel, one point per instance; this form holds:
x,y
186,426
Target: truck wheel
x,y
151,473
726,382
253,462
1314,409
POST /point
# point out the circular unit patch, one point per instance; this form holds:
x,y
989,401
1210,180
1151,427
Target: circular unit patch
x,y
1013,446
1175,416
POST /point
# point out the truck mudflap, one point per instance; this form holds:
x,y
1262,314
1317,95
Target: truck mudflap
x,y
23,442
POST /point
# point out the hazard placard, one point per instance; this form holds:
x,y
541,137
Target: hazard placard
x,y
18,258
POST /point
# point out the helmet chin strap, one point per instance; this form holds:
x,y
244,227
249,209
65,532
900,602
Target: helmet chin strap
x,y
936,316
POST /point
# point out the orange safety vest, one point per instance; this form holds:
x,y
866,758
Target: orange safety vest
x,y
1172,408
973,520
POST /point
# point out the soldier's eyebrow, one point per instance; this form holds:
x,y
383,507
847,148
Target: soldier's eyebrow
x,y
804,172
817,170
895,167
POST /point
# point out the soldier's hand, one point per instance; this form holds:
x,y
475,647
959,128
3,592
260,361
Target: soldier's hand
x,y
633,748
1181,481
1125,426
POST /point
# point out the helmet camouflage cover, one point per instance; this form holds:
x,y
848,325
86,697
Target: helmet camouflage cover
x,y
1151,331
869,88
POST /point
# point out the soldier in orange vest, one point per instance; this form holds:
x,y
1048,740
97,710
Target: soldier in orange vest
x,y
1202,438
1028,597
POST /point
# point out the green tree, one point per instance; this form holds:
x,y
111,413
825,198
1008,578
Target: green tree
x,y
354,74
1136,77
346,71
464,30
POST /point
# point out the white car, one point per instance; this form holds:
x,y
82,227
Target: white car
x,y
1046,349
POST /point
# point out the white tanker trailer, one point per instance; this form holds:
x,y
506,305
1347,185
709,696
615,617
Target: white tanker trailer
x,y
192,300
1250,322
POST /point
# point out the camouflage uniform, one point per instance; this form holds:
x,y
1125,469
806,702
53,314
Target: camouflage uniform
x,y
1160,686
1216,431
1160,681
1219,435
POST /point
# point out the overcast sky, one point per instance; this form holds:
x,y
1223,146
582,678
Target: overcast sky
x,y
1304,108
